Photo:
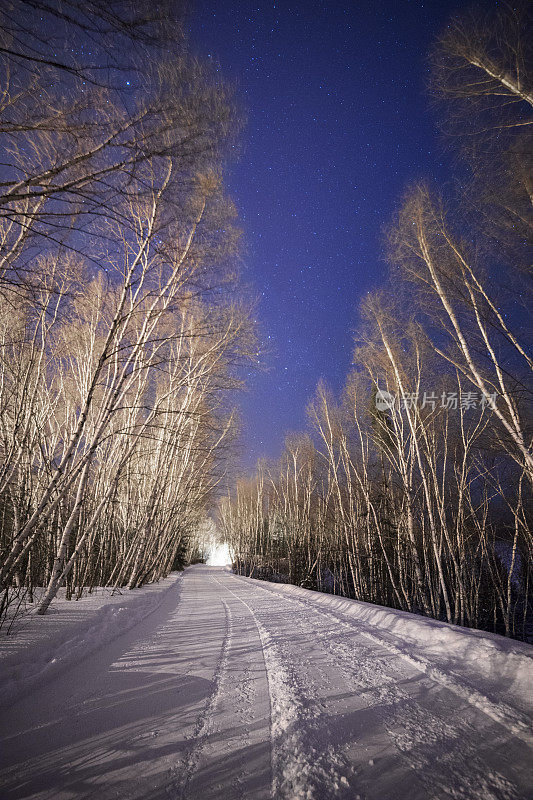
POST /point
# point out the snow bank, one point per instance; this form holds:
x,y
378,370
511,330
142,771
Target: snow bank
x,y
490,671
43,646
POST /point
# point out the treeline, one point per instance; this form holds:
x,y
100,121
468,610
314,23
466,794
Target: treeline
x,y
122,335
413,490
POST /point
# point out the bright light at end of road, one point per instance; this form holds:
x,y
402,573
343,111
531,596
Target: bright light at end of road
x,y
219,556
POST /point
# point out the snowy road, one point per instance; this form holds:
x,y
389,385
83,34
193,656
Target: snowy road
x,y
235,690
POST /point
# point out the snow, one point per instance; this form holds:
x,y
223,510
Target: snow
x,y
208,685
40,647
488,670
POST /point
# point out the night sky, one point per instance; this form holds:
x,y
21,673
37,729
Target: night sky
x,y
339,122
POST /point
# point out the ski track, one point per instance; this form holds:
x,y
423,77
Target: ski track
x,y
244,692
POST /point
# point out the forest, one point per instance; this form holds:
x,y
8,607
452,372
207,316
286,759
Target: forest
x,y
123,326
412,489
127,333
266,384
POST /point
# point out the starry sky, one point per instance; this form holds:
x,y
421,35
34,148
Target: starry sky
x,y
338,123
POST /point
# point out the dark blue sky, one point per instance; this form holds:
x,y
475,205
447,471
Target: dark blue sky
x,y
338,123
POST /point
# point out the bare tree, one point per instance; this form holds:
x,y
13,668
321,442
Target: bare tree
x,y
123,326
420,491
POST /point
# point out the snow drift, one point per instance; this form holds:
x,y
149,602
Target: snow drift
x,y
43,646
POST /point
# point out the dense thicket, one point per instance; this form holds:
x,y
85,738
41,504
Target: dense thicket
x,y
121,330
414,489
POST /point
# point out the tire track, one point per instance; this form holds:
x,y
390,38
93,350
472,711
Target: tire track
x,y
416,732
204,722
500,712
300,771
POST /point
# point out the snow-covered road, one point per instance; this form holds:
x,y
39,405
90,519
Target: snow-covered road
x,y
234,689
